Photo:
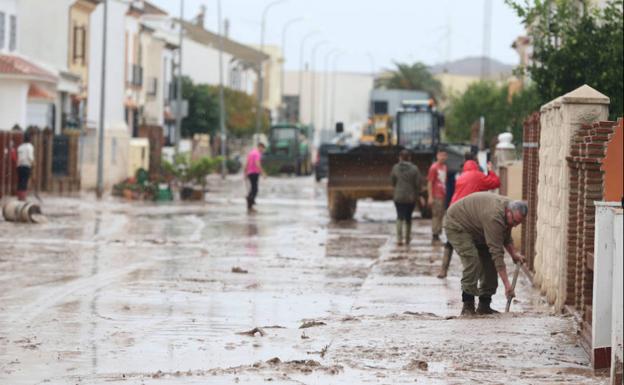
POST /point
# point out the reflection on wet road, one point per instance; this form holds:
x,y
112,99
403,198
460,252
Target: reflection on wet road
x,y
158,294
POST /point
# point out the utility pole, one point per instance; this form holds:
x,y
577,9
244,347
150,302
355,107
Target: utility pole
x,y
313,80
487,34
333,96
301,52
260,75
325,97
179,82
100,161
221,98
282,75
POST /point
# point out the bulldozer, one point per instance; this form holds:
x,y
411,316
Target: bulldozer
x,y
364,171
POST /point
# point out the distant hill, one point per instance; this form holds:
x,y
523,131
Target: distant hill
x,y
471,66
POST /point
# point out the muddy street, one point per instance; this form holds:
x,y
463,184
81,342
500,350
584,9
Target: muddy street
x,y
127,293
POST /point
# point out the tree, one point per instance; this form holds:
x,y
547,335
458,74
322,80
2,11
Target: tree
x,y
203,109
412,77
203,114
491,101
575,44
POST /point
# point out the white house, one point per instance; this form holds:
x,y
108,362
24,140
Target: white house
x,y
27,89
43,30
116,135
200,59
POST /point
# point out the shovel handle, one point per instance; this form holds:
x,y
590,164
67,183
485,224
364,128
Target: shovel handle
x,y
513,286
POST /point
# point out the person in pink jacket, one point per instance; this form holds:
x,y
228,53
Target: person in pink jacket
x,y
253,170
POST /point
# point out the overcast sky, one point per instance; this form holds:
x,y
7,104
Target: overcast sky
x,y
387,30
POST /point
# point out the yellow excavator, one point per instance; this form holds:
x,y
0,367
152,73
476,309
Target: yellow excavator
x,y
378,131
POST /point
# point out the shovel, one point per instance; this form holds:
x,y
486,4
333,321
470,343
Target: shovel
x,y
513,286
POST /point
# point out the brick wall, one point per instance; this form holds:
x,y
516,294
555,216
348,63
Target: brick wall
x,y
530,170
586,186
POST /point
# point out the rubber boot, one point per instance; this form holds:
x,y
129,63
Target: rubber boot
x,y
446,261
408,232
484,306
399,232
468,309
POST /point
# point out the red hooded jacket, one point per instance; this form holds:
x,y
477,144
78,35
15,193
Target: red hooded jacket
x,y
473,180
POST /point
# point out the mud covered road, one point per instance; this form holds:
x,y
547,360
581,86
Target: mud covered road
x,y
120,293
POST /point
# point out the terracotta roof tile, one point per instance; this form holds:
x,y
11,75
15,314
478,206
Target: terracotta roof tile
x,y
15,65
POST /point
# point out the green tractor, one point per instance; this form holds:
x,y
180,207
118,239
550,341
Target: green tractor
x,y
288,150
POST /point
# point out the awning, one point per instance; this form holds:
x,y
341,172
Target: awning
x,y
69,83
39,93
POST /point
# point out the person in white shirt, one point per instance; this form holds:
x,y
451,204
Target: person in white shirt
x,y
25,161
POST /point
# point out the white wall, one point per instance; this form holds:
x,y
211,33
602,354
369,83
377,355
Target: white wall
x,y
114,115
617,329
201,63
604,249
13,96
350,105
8,7
116,138
43,30
153,59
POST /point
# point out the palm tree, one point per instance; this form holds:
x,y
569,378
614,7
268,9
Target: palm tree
x,y
411,77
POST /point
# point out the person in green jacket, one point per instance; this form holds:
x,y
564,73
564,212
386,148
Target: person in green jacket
x,y
406,183
479,229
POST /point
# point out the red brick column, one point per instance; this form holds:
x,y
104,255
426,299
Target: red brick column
x,y
586,186
530,174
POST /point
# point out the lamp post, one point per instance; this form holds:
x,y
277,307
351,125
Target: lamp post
x,y
178,135
221,98
282,81
100,160
260,76
324,97
333,96
300,80
313,79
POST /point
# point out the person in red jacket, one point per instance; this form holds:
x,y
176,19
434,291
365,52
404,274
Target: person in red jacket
x,y
470,181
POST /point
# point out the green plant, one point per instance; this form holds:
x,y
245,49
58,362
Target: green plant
x,y
411,77
491,101
575,43
198,170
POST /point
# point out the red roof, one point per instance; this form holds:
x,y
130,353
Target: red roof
x,y
36,92
15,65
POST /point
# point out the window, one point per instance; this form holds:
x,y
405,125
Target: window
x,y
415,129
2,22
79,46
13,33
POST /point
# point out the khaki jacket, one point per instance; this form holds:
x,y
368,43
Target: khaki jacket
x,y
482,215
406,181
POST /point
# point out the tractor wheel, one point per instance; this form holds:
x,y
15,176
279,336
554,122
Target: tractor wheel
x,y
341,207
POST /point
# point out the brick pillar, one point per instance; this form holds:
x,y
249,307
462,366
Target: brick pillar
x,y
559,121
530,170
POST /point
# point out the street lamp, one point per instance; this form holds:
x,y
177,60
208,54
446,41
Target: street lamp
x,y
333,96
178,134
301,51
100,161
282,81
313,79
221,97
325,99
260,76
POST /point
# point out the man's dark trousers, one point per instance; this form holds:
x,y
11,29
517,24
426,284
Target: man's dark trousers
x,y
251,198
